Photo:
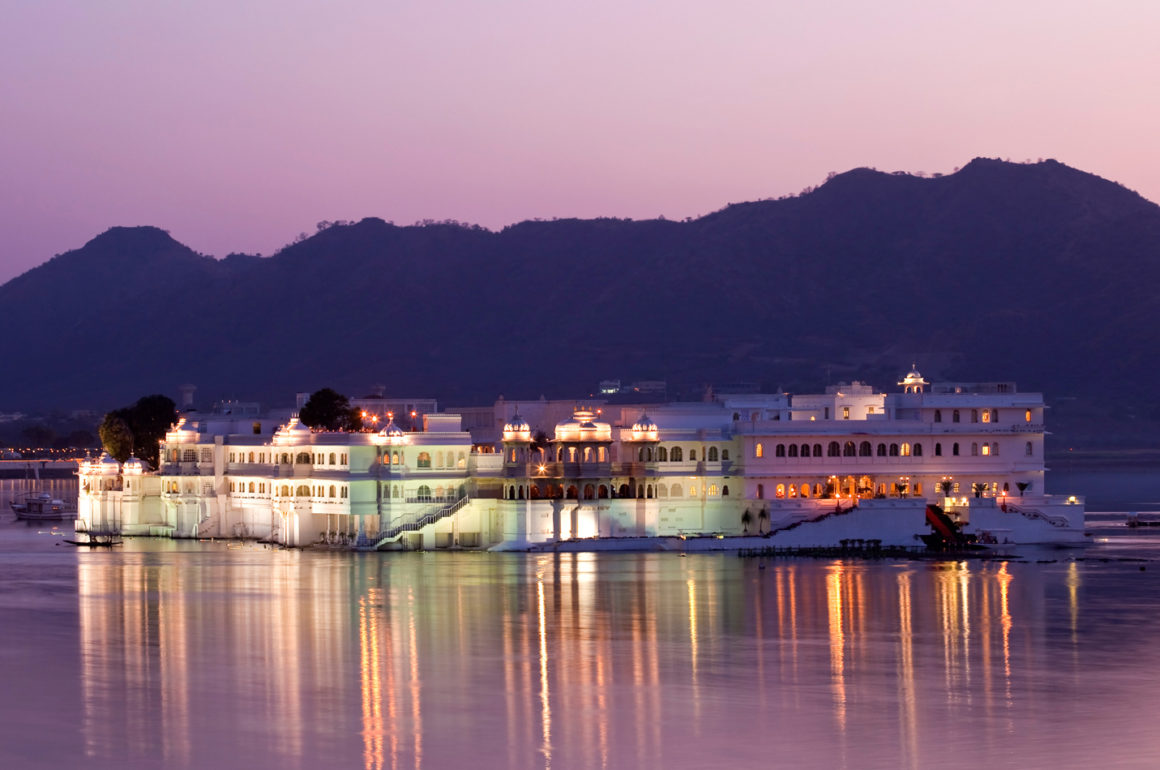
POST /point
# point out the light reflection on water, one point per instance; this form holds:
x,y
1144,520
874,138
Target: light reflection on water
x,y
200,654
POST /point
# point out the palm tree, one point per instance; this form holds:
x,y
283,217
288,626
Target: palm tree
x,y
746,518
979,488
1022,486
762,520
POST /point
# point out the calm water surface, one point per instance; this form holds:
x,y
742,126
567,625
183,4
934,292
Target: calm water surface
x,y
176,654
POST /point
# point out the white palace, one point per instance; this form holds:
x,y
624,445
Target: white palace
x,y
792,470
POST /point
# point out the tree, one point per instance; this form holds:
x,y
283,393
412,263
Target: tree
x,y
1022,486
746,519
330,410
142,427
116,437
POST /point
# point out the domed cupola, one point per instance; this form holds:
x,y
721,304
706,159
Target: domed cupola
x,y
517,429
293,432
392,434
133,466
913,381
108,464
644,429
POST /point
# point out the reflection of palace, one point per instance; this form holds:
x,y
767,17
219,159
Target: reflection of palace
x,y
401,663
851,463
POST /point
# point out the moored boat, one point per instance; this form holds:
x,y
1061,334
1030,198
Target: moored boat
x,y
43,507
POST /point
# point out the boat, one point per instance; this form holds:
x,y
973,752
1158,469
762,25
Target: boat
x,y
43,507
95,536
1136,520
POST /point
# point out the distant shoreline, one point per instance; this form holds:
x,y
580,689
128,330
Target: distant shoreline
x,y
1099,459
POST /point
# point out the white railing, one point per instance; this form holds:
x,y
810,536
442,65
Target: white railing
x,y
416,522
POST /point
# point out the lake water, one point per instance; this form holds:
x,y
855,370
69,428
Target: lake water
x,y
186,654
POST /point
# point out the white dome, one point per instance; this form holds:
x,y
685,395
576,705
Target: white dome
x,y
391,430
516,425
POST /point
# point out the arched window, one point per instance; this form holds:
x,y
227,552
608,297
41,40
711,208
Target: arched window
x,y
333,491
624,491
712,454
662,454
572,454
601,455
676,455
440,492
986,415
995,449
675,491
974,450
779,450
462,462
817,450
955,449
251,487
805,490
395,491
724,455
864,449
601,493
712,490
587,454
833,450
1027,416
332,458
285,490
986,450
303,458
881,450
938,415
1027,450
725,490
792,451
905,449
938,450
918,450
302,491
251,456
955,416
589,492
759,450
394,458
974,415
848,449
424,493
780,492
894,450
648,491
760,492
424,460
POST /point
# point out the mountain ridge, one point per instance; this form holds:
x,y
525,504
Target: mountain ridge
x,y
1038,273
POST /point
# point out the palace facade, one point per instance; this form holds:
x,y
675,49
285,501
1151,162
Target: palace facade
x,y
850,463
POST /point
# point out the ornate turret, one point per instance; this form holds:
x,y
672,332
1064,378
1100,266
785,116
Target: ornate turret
x,y
913,381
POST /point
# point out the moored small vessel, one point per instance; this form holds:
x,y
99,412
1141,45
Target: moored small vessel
x,y
42,506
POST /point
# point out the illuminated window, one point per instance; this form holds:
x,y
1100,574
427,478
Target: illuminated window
x,y
986,415
845,413
692,490
712,490
905,450
986,450
918,488
780,491
1027,416
759,450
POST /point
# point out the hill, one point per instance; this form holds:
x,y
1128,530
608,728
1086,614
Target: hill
x,y
1038,273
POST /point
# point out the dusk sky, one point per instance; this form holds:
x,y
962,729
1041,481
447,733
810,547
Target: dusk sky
x,y
237,125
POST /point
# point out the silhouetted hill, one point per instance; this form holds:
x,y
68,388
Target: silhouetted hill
x,y
1037,273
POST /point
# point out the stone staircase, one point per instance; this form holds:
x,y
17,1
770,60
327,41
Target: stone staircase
x,y
417,521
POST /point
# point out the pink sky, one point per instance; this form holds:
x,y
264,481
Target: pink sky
x,y
236,125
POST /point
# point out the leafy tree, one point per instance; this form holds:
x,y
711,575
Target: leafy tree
x,y
330,410
116,437
141,428
746,519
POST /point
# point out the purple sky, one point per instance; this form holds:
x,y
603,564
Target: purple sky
x,y
236,125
